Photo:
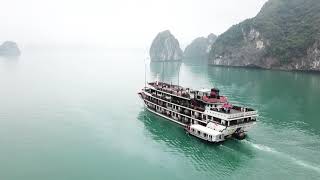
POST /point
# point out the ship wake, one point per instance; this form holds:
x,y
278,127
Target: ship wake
x,y
296,161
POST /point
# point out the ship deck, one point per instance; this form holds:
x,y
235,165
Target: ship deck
x,y
186,93
172,89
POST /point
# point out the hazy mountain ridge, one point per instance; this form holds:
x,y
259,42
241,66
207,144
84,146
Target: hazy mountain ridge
x,y
200,47
285,34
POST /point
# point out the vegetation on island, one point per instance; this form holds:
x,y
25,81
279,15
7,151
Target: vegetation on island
x,y
289,27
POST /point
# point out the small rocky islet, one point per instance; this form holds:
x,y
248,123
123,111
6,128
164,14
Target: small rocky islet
x,y
9,48
165,47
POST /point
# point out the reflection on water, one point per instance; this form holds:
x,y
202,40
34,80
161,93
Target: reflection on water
x,y
165,71
205,156
9,58
9,62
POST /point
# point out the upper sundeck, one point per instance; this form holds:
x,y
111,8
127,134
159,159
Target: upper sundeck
x,y
207,96
170,89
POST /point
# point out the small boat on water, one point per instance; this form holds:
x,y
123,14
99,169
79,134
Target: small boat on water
x,y
204,113
205,133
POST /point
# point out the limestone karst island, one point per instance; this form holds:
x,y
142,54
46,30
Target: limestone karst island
x,y
165,47
9,48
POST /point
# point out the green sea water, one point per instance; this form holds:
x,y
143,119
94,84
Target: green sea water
x,y
74,114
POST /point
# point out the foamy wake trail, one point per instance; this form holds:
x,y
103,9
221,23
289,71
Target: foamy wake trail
x,y
284,155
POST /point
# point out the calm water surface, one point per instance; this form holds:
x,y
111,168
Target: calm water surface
x,y
74,114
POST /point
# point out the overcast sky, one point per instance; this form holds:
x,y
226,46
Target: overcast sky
x,y
118,23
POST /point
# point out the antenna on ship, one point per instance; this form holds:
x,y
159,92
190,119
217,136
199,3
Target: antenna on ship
x,y
145,72
162,71
178,76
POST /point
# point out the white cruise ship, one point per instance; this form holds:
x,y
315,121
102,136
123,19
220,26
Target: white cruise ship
x,y
203,113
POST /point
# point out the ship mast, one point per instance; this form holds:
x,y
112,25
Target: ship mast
x,y
145,72
178,75
162,71
145,75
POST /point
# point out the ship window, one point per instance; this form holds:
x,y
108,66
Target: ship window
x,y
217,119
233,122
199,132
205,135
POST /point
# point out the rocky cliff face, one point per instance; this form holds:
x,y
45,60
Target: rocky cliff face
x,y
200,47
250,53
284,35
9,48
165,47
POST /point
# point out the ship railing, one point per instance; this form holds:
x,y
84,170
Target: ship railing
x,y
242,114
197,117
217,114
187,114
176,110
179,113
241,123
170,92
250,113
222,115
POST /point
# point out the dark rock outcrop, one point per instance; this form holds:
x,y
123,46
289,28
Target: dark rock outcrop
x,y
200,47
165,47
9,48
285,35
